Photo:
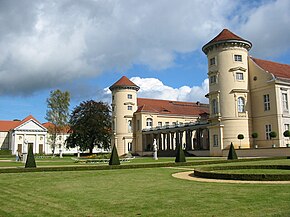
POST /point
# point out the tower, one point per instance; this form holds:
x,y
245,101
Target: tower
x,y
229,97
124,104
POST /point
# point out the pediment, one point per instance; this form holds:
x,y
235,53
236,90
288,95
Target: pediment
x,y
31,125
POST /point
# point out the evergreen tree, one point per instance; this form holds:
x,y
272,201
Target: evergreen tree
x,y
232,153
30,161
180,157
114,160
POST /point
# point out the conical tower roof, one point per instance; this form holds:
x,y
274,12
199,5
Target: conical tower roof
x,y
226,36
124,83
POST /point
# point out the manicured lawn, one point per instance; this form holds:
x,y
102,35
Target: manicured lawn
x,y
136,192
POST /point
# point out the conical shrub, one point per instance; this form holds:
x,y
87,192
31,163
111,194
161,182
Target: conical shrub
x,y
114,160
232,153
30,160
180,157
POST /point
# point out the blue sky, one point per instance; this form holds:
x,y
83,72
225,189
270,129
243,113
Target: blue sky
x,y
85,46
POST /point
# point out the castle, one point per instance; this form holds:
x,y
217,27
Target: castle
x,y
247,97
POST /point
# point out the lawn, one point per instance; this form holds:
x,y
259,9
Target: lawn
x,y
136,192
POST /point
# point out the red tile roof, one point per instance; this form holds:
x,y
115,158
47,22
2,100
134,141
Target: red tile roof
x,y
223,36
279,70
6,126
48,125
124,82
171,107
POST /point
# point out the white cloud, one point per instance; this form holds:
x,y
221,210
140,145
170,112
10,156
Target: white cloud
x,y
153,88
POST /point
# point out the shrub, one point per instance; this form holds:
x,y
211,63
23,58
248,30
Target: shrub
x,y
273,134
254,135
232,153
241,136
30,161
114,160
286,133
5,152
180,157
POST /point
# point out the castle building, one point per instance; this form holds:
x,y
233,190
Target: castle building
x,y
246,96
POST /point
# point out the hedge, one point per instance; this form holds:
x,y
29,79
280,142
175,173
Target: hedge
x,y
209,172
6,152
126,166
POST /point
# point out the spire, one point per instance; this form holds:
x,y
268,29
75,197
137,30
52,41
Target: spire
x,y
124,82
226,36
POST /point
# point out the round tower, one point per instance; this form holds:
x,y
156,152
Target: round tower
x,y
229,98
124,104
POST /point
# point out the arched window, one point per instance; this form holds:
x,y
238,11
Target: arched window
x,y
241,104
149,122
214,105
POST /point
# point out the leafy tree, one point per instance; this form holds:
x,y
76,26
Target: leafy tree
x,y
287,134
57,114
30,161
255,136
114,160
272,135
90,124
241,137
180,157
232,153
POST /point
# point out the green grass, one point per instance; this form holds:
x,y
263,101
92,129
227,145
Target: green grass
x,y
136,192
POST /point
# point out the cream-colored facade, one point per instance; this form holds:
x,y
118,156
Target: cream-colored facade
x,y
246,96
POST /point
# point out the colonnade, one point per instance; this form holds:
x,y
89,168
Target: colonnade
x,y
197,139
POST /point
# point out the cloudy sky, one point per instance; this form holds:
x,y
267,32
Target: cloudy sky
x,y
84,46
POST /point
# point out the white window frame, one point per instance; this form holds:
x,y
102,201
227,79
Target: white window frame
x,y
286,127
268,130
214,104
239,76
149,123
159,124
129,126
241,104
266,102
285,102
238,58
212,61
213,79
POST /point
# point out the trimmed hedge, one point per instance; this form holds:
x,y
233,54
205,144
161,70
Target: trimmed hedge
x,y
209,173
127,166
6,152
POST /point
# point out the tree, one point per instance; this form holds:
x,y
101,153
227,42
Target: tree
x,y
255,136
180,157
287,134
90,124
273,134
114,159
241,137
232,153
57,114
30,161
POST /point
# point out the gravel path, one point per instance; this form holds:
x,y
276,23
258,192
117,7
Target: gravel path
x,y
187,175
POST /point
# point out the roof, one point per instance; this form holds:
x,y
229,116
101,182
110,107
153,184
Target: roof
x,y
223,36
124,82
6,126
279,70
48,125
170,107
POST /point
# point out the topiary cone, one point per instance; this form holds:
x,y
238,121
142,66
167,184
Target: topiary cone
x,y
30,161
232,153
114,159
180,157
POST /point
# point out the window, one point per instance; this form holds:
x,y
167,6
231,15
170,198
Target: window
x,y
212,79
239,76
129,146
238,58
130,107
266,102
285,101
113,125
113,97
174,123
241,104
129,96
129,126
113,108
166,123
149,122
286,127
214,106
138,124
212,61
268,128
159,124
215,140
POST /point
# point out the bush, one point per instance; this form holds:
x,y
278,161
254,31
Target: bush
x,y
232,153
114,160
240,136
254,135
30,161
286,133
180,157
273,134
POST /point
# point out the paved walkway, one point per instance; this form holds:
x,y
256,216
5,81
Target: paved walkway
x,y
188,176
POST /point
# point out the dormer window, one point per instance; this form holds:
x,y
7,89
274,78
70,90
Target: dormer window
x,y
238,58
